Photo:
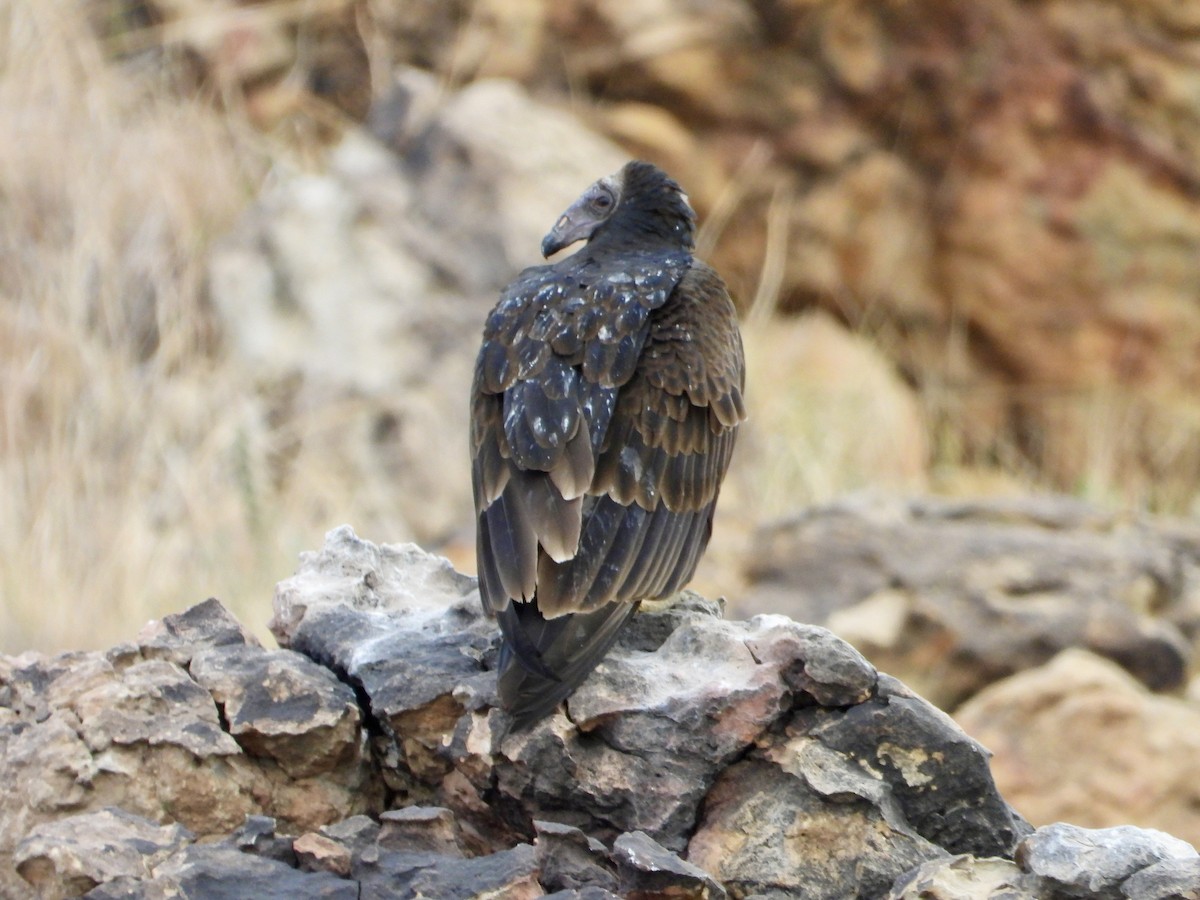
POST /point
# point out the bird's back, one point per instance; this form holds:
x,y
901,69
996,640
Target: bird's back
x,y
606,400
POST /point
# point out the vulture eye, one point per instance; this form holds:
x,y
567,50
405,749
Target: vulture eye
x,y
602,202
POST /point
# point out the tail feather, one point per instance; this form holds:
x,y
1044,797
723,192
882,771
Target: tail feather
x,y
543,660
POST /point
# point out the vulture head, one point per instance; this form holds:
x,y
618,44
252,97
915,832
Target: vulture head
x,y
638,206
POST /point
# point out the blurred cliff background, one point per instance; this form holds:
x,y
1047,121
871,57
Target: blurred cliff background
x,y
246,249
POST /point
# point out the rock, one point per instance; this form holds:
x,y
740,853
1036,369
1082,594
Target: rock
x,y
763,832
648,869
206,625
1079,740
69,857
220,872
1171,879
508,873
815,385
137,730
356,833
421,829
318,853
966,878
868,770
282,706
705,758
1084,862
403,626
653,740
257,835
952,595
569,860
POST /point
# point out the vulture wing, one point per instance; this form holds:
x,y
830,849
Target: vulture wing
x,y
606,399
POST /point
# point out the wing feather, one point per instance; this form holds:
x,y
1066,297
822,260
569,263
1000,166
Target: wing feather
x,y
605,409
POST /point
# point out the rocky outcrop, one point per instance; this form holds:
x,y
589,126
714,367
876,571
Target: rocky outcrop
x,y
367,758
196,724
1079,739
953,595
1002,193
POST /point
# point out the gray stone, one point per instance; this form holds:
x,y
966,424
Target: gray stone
x,y
953,595
917,761
766,833
1171,879
257,835
84,731
431,829
400,624
762,758
282,706
177,637
356,833
399,876
1095,862
648,869
650,742
217,872
570,860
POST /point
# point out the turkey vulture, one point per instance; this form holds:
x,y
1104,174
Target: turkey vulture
x,y
606,399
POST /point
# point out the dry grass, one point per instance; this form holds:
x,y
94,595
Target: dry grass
x,y
123,460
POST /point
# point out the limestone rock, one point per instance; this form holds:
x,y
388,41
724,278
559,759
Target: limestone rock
x,y
967,878
951,595
705,758
136,729
648,869
1078,740
68,857
652,741
282,706
1096,863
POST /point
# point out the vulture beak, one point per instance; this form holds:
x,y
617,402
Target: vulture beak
x,y
584,216
573,225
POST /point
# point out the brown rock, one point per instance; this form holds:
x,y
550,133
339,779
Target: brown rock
x,y
93,730
757,829
1078,740
827,413
317,853
69,857
283,706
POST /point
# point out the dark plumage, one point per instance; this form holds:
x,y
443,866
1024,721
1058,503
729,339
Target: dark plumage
x,y
607,396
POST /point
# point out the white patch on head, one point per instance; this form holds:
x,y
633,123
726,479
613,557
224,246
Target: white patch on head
x,y
613,183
